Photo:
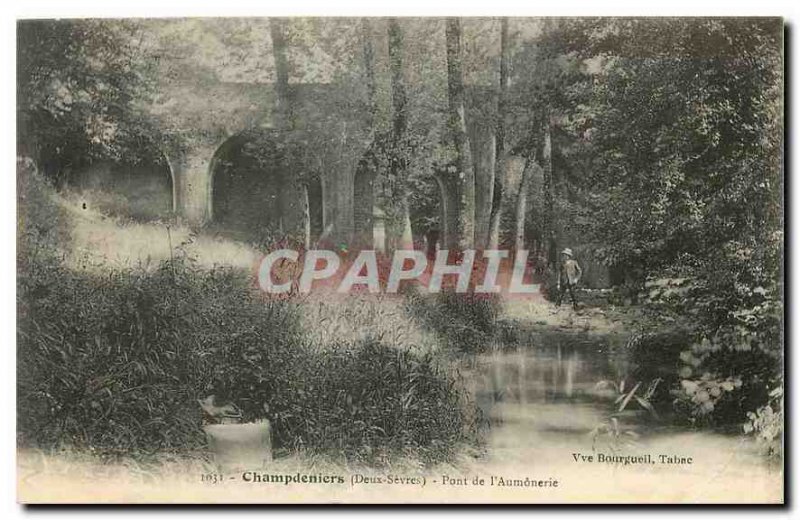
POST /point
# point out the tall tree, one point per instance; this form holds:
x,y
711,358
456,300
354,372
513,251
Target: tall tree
x,y
548,214
522,203
394,147
399,153
369,72
462,183
294,186
399,96
364,182
497,162
283,103
80,86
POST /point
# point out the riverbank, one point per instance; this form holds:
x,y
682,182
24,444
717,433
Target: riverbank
x,y
540,400
593,319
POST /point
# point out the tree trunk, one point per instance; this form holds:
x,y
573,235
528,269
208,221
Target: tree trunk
x,y
293,190
364,181
402,237
522,204
283,103
548,227
464,181
369,72
498,170
398,83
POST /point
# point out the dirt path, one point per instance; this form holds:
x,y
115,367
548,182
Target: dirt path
x,y
543,315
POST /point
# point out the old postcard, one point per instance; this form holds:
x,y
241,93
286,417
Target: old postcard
x,y
400,260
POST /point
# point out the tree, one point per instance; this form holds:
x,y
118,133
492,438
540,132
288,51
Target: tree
x,y
398,160
522,203
461,182
283,106
678,125
497,162
369,73
681,131
80,89
548,243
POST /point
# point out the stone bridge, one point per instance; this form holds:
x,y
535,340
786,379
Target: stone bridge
x,y
320,191
210,124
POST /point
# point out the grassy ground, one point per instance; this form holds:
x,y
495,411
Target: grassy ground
x,y
100,241
113,353
354,318
123,326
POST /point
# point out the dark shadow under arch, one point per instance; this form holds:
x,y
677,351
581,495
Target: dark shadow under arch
x,y
259,191
142,188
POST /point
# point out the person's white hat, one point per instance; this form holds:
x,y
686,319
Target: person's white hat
x,y
567,251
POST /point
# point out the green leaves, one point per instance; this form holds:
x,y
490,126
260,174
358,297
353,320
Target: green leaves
x,y
767,424
671,125
81,86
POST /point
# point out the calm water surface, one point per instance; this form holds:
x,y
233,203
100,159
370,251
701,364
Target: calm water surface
x,y
543,403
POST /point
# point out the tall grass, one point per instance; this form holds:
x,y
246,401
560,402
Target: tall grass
x,y
364,317
116,362
370,402
463,322
102,240
113,362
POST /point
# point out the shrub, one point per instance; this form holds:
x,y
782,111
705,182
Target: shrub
x,y
367,401
766,424
656,355
465,322
41,225
116,362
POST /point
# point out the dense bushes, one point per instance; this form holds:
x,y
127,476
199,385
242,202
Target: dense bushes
x,y
114,362
368,401
691,209
465,322
726,360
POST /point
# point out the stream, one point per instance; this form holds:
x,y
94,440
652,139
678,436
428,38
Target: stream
x,y
542,402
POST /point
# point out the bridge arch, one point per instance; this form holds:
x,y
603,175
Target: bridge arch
x,y
142,188
258,189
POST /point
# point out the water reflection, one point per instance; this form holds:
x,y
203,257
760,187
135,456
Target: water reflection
x,y
559,370
542,402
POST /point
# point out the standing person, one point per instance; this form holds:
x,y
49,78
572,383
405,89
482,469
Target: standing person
x,y
569,274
